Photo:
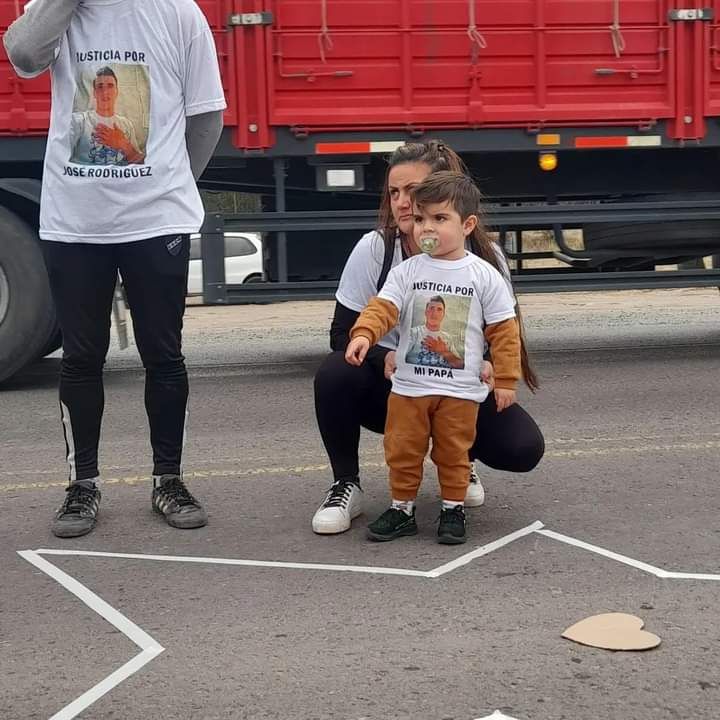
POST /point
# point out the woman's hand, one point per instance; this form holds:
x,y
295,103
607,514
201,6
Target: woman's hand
x,y
504,398
487,375
357,350
390,365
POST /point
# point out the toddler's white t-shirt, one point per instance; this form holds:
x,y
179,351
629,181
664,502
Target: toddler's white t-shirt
x,y
449,360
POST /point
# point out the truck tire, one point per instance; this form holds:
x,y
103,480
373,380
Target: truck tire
x,y
27,315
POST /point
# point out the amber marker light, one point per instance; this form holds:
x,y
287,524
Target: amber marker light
x,y
548,139
548,161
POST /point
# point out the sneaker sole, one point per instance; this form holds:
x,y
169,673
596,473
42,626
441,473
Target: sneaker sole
x,y
180,526
384,538
330,529
67,532
451,539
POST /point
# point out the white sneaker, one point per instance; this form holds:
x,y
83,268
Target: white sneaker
x,y
475,495
342,504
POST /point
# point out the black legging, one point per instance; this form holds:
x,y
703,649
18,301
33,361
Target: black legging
x,y
82,278
348,398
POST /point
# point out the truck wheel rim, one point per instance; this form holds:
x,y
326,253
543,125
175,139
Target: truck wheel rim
x,y
4,295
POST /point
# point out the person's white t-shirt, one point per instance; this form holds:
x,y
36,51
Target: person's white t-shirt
x,y
473,294
358,282
138,183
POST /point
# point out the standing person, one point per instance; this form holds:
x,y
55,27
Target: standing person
x,y
348,398
427,400
98,219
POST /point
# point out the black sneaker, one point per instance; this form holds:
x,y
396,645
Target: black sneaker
x,y
173,500
393,523
451,530
78,513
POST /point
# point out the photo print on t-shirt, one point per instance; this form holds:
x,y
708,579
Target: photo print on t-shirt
x,y
437,333
111,115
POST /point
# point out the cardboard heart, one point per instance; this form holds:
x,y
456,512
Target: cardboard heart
x,y
612,631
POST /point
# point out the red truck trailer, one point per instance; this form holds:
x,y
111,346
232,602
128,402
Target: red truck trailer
x,y
602,115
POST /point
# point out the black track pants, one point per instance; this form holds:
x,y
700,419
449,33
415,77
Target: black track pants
x,y
348,398
82,279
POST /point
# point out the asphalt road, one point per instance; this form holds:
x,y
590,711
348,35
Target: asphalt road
x,y
629,409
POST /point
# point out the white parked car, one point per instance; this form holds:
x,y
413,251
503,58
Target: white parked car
x,y
243,260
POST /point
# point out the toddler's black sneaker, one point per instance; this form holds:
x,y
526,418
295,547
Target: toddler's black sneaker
x,y
393,523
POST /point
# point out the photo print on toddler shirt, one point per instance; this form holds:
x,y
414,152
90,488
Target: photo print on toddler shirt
x,y
437,334
111,115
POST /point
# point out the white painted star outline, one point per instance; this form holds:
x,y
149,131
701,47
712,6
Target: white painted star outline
x,y
150,648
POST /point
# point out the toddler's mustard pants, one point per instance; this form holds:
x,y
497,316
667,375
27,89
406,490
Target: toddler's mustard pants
x,y
411,422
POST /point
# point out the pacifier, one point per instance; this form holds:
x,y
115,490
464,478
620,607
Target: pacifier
x,y
428,244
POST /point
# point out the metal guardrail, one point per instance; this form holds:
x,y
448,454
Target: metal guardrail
x,y
498,217
527,216
537,283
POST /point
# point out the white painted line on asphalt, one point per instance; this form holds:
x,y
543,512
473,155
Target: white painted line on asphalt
x,y
690,576
250,563
484,550
93,601
149,647
104,686
435,573
658,572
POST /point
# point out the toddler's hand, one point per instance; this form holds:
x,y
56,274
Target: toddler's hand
x,y
357,350
504,398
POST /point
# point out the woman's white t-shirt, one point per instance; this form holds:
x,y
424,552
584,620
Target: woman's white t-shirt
x,y
358,282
